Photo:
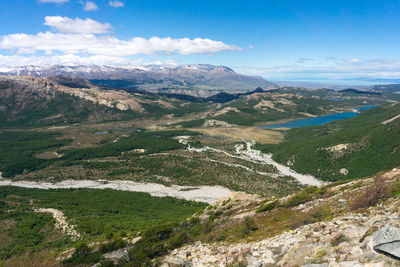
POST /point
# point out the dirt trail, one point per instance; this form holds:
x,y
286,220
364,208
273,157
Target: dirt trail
x,y
391,119
61,222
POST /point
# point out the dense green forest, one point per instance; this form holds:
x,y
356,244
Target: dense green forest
x,y
96,215
18,149
150,141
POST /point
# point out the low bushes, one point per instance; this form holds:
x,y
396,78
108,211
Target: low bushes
x,y
372,193
247,226
269,206
316,214
306,195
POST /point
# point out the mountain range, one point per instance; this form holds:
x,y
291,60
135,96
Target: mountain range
x,y
197,80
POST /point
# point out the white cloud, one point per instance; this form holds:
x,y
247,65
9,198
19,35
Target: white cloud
x,y
53,1
17,60
115,3
85,40
90,6
77,25
109,45
338,69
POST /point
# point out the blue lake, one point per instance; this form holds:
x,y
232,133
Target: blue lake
x,y
317,120
365,107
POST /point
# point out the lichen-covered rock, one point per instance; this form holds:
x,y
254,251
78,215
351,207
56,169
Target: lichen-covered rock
x,y
178,263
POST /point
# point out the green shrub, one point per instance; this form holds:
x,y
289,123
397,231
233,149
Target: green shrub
x,y
269,206
112,245
316,214
107,263
304,196
378,190
247,226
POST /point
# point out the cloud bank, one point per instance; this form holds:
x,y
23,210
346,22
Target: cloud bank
x,y
82,40
332,68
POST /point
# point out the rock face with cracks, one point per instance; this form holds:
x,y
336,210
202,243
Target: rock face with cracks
x,y
387,241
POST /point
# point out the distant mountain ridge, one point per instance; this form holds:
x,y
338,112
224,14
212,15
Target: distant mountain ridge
x,y
198,79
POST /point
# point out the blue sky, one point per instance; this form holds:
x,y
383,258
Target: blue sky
x,y
277,39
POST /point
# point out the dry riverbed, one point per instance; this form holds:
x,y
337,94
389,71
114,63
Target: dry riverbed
x,y
208,194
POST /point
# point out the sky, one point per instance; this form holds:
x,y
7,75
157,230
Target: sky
x,y
276,39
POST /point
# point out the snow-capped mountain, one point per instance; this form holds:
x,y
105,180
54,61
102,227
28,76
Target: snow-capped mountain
x,y
196,79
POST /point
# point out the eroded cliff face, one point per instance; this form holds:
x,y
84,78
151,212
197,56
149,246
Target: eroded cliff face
x,y
110,98
348,236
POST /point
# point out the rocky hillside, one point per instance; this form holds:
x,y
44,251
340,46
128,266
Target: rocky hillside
x,y
350,224
197,80
29,100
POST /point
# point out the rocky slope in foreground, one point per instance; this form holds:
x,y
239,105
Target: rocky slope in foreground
x,y
349,224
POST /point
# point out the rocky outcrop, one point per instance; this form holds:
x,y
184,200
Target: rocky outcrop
x,y
216,124
387,241
345,241
119,255
226,110
110,98
366,236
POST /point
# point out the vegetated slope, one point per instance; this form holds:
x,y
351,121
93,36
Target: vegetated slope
x,y
29,101
150,142
24,104
19,149
344,149
108,216
199,80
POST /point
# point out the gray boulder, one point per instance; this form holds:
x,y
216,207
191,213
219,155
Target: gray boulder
x,y
117,255
386,240
178,263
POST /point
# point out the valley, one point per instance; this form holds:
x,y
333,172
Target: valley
x,y
91,168
199,133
